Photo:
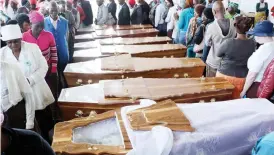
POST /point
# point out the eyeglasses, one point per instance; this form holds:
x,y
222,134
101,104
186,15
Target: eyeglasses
x,y
15,41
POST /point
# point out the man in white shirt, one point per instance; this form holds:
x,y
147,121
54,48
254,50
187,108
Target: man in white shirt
x,y
160,15
12,8
102,15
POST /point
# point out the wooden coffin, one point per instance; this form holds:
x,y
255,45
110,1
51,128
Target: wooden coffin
x,y
64,142
102,34
118,68
123,27
86,45
111,94
135,41
85,30
148,51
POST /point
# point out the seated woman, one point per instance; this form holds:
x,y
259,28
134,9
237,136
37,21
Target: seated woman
x,y
266,88
264,145
260,59
198,39
194,23
234,54
24,88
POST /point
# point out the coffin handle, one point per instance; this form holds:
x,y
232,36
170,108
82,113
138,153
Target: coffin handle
x,y
186,75
79,113
213,100
202,101
176,75
79,81
89,81
92,113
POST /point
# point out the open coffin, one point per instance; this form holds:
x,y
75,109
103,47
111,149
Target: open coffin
x,y
113,94
125,66
148,51
229,127
102,34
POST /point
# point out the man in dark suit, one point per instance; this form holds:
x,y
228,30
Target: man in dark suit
x,y
86,6
123,13
140,13
112,9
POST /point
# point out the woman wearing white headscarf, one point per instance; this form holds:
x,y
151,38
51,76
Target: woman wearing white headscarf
x,y
23,70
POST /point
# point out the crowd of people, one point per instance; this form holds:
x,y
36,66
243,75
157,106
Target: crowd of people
x,y
37,42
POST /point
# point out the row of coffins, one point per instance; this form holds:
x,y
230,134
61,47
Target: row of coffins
x,y
115,68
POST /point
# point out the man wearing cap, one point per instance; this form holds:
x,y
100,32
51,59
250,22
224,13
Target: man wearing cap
x,y
33,5
258,62
26,75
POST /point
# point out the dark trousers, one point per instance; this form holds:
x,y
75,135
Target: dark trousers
x,y
162,29
71,46
15,117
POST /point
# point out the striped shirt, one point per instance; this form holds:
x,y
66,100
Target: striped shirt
x,y
46,43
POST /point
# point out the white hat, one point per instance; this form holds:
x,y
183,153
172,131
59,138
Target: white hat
x,y
11,32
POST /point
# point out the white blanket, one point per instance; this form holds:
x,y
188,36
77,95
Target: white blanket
x,y
222,128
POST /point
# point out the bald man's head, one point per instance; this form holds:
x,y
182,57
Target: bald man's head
x,y
53,10
218,9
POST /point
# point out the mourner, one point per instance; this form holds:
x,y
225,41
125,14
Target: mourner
x,y
170,20
140,14
75,13
112,7
80,11
103,15
23,21
123,13
28,61
262,11
217,32
258,62
160,16
86,6
234,53
11,8
183,22
58,26
194,23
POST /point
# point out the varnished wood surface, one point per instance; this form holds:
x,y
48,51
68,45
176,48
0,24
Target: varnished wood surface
x,y
148,51
164,113
135,41
157,68
63,132
102,34
92,97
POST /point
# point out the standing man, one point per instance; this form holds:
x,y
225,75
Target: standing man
x,y
75,13
216,33
72,27
102,15
123,13
80,10
112,7
11,9
140,14
88,12
58,26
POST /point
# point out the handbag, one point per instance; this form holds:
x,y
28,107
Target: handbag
x,y
198,48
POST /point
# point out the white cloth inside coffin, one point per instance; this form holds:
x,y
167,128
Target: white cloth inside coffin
x,y
222,128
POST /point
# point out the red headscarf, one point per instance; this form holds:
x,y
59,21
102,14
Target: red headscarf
x,y
32,2
132,3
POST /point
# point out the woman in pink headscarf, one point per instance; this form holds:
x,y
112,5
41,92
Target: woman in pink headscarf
x,y
46,42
